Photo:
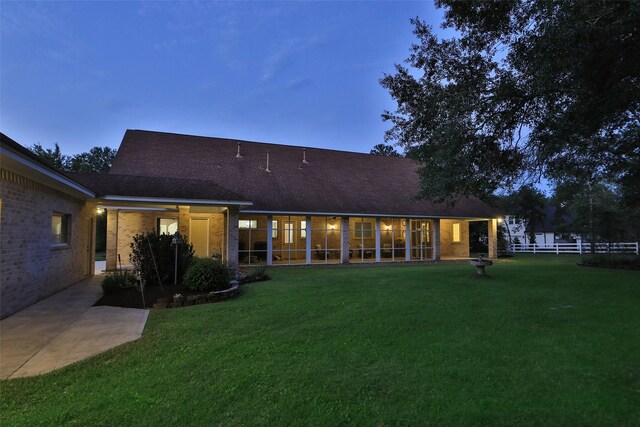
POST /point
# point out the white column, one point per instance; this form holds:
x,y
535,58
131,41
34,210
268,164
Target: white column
x,y
269,239
377,239
436,239
344,239
407,239
308,240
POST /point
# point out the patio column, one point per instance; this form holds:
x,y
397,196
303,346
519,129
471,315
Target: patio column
x,y
308,240
112,239
407,239
344,239
436,240
269,239
493,238
377,239
233,214
184,220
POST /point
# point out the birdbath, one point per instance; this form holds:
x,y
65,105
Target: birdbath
x,y
480,263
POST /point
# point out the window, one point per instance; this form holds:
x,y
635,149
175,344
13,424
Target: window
x,y
363,230
274,229
248,224
288,232
456,232
167,225
60,228
303,229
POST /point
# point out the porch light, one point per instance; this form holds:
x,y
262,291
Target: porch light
x,y
500,220
99,211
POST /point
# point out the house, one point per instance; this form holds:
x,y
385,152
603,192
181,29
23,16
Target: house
x,y
255,203
545,232
47,229
277,204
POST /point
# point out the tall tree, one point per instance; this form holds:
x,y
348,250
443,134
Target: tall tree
x,y
52,156
526,89
527,205
384,150
97,159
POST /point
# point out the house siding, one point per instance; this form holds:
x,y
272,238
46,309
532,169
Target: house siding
x,y
30,267
447,247
122,226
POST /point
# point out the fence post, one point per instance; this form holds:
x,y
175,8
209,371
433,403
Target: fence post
x,y
557,249
534,248
580,246
637,253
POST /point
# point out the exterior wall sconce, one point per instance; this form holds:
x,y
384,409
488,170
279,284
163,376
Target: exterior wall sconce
x,y
99,211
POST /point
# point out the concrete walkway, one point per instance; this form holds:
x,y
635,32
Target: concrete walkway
x,y
64,329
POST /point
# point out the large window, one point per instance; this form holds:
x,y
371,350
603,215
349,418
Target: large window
x,y
289,245
167,225
60,226
362,242
252,239
392,239
325,239
421,248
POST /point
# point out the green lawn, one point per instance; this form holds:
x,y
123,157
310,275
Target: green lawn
x,y
543,342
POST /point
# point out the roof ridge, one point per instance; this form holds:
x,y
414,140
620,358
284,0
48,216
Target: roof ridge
x,y
275,144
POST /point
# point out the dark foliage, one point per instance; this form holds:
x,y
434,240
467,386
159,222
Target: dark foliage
x,y
526,88
612,261
97,159
206,274
142,248
384,150
118,280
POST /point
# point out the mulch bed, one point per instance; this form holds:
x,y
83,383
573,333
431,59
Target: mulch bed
x,y
131,298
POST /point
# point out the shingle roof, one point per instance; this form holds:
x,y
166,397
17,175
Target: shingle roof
x,y
153,187
331,182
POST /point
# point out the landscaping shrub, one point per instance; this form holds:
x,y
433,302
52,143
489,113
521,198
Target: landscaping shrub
x,y
206,274
164,254
257,271
612,261
115,281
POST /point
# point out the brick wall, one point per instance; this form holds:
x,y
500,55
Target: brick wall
x,y
30,267
447,247
123,225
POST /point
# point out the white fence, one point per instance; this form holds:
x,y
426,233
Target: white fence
x,y
576,248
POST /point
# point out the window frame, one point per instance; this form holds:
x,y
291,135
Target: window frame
x,y
64,238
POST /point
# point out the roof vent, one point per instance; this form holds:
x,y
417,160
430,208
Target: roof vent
x,y
238,156
267,169
304,156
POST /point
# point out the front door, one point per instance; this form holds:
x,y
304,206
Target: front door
x,y
199,236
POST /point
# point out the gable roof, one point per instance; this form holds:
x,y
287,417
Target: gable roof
x,y
16,158
337,182
129,187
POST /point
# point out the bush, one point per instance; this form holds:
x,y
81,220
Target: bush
x,y
206,274
612,260
164,254
257,271
115,281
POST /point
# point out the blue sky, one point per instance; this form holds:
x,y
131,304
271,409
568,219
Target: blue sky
x,y
300,73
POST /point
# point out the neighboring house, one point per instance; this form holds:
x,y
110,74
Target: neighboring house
x,y
47,229
251,202
546,233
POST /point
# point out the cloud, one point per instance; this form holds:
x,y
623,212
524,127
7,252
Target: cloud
x,y
282,53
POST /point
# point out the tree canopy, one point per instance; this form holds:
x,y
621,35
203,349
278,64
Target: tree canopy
x,y
384,150
526,89
97,159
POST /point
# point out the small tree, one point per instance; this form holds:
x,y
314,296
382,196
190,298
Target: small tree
x,y
150,251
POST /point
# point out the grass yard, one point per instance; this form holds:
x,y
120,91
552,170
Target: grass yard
x,y
543,342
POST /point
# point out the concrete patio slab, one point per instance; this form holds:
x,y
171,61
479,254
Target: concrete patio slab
x,y
63,329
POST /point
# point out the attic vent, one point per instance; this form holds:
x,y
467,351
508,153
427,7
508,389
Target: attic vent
x,y
267,169
238,156
304,156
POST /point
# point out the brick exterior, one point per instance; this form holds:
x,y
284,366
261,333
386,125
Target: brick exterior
x,y
447,247
493,238
30,267
123,225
